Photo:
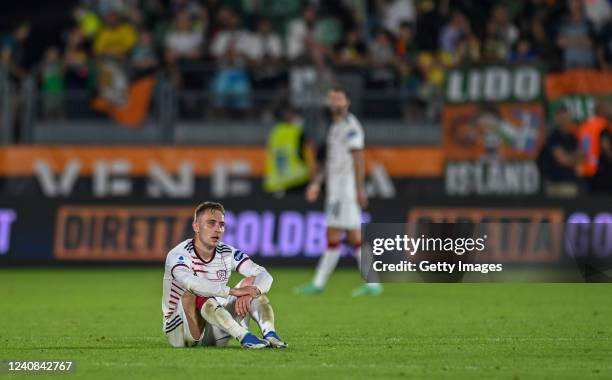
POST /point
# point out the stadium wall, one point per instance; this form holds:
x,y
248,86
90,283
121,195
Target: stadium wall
x,y
38,231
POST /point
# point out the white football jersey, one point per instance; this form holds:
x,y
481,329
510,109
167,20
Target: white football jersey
x,y
187,271
343,137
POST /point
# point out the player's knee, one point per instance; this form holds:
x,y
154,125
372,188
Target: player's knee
x,y
259,301
209,307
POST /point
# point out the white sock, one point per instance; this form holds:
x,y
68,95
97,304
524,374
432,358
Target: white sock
x,y
216,315
263,314
371,274
327,264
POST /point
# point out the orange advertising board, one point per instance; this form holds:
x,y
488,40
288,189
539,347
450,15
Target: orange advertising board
x,y
513,235
404,161
119,233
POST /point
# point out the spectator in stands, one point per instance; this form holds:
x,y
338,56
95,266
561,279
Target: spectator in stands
x,y
351,52
598,12
143,59
546,12
522,52
231,37
184,41
560,157
112,46
406,60
468,50
433,67
405,47
192,8
545,51
231,85
455,30
87,21
16,42
395,12
303,44
14,74
8,65
267,66
52,84
265,52
216,15
500,36
76,61
183,44
576,38
431,15
115,39
381,60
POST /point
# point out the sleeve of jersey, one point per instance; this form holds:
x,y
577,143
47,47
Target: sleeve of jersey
x,y
196,285
263,279
243,265
355,139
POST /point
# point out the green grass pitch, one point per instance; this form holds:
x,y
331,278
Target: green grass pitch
x,y
109,322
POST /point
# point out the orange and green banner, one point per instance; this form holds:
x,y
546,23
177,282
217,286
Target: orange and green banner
x,y
578,90
493,110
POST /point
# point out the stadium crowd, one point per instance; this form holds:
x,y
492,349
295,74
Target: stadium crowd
x,y
237,49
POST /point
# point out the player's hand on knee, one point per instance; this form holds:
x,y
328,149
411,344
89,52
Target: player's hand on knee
x,y
243,305
252,291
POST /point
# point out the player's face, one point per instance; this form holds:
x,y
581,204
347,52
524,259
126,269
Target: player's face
x,y
337,102
209,228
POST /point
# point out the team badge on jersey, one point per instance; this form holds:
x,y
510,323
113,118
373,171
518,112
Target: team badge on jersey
x,y
222,274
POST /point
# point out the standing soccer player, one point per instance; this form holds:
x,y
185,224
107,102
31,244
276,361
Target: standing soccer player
x,y
345,196
198,306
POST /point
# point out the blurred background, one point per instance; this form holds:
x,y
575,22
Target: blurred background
x,y
118,116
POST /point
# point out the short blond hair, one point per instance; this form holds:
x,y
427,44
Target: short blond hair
x,y
203,207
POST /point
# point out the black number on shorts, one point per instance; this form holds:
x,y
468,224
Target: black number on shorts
x,y
334,209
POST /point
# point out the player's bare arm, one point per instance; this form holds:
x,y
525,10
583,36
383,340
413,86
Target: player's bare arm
x,y
243,302
314,187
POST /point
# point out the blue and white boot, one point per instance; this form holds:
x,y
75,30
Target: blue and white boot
x,y
250,341
274,340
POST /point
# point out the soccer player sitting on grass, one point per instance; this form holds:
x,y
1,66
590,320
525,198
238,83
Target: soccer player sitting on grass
x,y
198,306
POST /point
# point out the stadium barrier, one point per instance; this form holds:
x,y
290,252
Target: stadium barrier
x,y
35,231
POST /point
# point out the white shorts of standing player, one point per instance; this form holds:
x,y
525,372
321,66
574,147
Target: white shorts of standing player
x,y
343,214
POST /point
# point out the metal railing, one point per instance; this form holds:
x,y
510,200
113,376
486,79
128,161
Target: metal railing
x,y
197,112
